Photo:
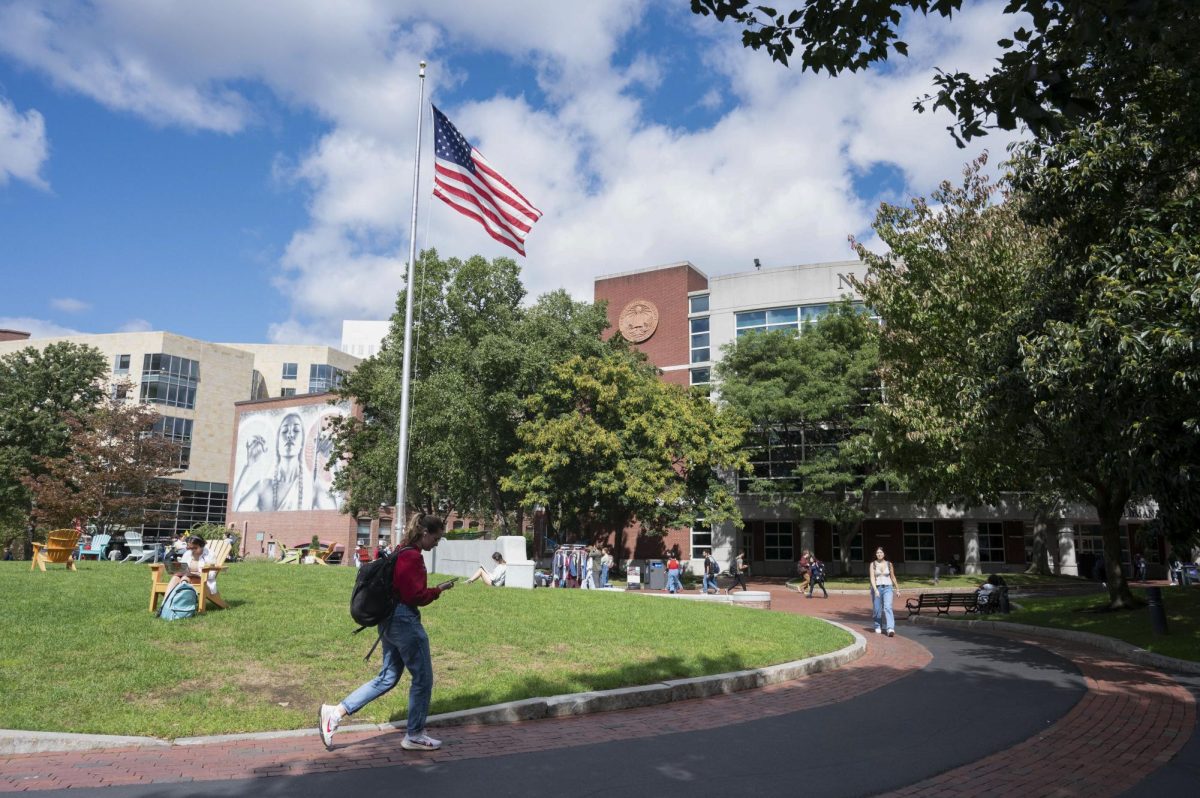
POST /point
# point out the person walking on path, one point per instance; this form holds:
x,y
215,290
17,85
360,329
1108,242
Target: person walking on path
x,y
740,569
674,585
606,564
816,570
711,569
802,568
403,641
883,586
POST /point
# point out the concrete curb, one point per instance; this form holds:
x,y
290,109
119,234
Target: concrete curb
x,y
1111,645
13,741
27,742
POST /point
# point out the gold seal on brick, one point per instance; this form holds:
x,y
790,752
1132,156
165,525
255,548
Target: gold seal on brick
x,y
638,320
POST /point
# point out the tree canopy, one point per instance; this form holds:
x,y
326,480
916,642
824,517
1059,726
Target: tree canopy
x,y
40,390
810,400
478,355
608,442
1066,62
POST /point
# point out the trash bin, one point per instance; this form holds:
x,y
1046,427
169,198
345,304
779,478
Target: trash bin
x,y
656,577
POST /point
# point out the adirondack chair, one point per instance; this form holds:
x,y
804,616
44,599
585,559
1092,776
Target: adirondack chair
x,y
96,548
322,557
159,578
136,548
289,556
58,548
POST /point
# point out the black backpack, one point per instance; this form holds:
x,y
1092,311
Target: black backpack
x,y
372,601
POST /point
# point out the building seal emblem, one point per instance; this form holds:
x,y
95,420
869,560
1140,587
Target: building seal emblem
x,y
638,321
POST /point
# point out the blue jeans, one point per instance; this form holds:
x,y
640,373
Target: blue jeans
x,y
603,576
710,580
883,607
673,583
405,645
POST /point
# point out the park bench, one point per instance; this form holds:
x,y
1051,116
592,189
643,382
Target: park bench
x,y
944,602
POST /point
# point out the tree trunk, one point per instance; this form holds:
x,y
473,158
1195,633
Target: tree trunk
x,y
1040,563
1110,513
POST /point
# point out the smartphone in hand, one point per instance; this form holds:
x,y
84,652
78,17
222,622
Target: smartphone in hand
x,y
449,583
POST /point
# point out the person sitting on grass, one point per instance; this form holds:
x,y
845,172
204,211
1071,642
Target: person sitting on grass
x,y
496,577
191,563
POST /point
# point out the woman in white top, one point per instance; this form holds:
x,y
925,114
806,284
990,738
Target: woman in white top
x,y
496,577
883,584
192,561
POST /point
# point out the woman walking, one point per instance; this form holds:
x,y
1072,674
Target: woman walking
x,y
883,585
403,640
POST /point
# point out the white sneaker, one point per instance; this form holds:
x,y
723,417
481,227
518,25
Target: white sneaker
x,y
878,631
327,723
422,742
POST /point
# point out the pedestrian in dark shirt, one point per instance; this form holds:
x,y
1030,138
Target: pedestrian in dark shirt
x,y
816,571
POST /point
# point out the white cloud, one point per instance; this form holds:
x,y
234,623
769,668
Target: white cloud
x,y
37,328
69,305
23,146
136,325
773,178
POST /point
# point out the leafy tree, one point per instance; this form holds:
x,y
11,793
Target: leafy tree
x,y
478,354
810,400
40,390
1067,62
997,378
112,473
608,443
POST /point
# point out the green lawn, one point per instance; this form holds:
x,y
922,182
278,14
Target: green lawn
x,y
1089,614
79,651
908,582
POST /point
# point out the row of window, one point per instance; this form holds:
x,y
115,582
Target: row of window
x,y
178,430
166,391
171,365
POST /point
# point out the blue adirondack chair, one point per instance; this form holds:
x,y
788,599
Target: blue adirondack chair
x,y
96,547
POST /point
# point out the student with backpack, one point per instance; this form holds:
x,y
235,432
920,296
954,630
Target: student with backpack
x,y
403,638
816,574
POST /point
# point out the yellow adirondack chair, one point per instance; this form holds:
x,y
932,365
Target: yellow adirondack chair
x,y
159,579
58,548
323,557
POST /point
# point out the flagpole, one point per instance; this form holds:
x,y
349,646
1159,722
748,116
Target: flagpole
x,y
406,370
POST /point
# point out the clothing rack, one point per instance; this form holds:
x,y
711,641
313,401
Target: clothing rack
x,y
568,565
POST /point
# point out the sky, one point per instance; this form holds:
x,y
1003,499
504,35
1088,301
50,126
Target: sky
x,y
240,171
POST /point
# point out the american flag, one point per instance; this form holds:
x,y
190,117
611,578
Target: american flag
x,y
465,181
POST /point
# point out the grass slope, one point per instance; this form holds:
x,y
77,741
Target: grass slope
x,y
1090,614
79,651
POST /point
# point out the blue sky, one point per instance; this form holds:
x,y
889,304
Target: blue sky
x,y
243,173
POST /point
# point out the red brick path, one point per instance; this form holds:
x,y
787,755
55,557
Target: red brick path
x,y
1130,722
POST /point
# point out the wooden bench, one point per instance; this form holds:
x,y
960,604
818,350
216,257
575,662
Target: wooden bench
x,y
944,602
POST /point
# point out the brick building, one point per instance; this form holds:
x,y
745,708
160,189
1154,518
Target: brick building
x,y
681,318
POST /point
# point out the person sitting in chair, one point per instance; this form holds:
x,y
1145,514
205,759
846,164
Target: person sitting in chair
x,y
496,577
195,558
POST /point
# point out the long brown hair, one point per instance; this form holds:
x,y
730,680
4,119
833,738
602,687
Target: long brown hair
x,y
419,525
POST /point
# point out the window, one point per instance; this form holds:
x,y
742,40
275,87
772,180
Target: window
x,y
362,534
698,304
287,391
178,430
777,540
120,391
701,539
199,503
170,380
778,318
991,541
856,547
289,371
699,376
918,541
121,364
699,340
323,377
1091,541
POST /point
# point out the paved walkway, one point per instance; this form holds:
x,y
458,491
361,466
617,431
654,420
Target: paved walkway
x,y
934,711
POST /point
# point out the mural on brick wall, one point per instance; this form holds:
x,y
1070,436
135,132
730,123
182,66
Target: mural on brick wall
x,y
281,460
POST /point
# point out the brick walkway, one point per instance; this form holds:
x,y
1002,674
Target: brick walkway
x,y
1130,721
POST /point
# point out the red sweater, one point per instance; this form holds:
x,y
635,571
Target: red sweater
x,y
410,578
